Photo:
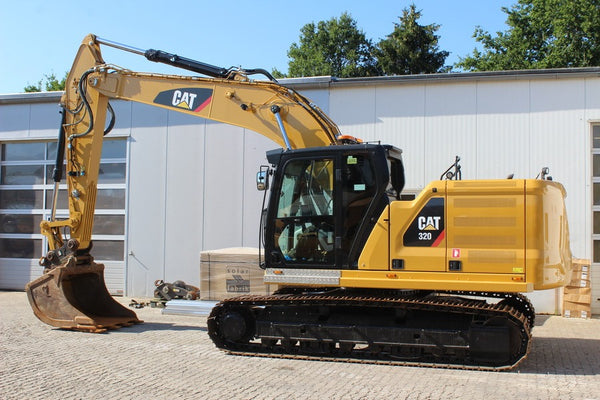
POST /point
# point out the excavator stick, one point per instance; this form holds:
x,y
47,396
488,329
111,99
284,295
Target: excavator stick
x,y
74,296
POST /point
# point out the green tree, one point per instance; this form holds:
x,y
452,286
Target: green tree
x,y
50,84
541,34
335,47
411,48
277,74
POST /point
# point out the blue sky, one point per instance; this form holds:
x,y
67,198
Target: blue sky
x,y
39,37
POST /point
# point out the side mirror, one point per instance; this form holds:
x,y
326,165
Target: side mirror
x,y
262,178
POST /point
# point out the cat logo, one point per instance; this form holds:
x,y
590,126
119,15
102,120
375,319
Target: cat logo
x,y
427,228
191,99
183,99
429,223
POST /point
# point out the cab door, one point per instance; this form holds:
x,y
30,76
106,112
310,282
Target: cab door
x,y
304,224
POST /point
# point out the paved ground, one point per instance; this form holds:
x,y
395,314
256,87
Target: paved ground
x,y
172,357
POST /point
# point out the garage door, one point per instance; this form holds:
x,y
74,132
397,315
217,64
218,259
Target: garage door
x,y
26,192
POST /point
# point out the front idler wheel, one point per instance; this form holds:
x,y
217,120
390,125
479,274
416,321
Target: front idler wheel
x,y
235,326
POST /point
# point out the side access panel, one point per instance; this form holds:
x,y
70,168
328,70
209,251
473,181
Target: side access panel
x,y
486,226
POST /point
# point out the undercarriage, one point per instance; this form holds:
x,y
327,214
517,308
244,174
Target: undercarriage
x,y
453,330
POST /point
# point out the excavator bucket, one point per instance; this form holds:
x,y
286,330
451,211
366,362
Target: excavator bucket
x,y
72,296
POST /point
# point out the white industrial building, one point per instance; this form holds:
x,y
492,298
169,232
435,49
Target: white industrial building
x,y
173,185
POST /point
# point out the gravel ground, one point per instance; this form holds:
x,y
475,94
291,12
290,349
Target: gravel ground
x,y
172,357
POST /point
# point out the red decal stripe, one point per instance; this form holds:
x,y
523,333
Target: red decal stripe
x,y
201,106
439,239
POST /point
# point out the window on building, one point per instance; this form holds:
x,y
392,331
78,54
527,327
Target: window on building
x,y
26,196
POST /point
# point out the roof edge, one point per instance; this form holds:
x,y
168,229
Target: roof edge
x,y
34,97
553,73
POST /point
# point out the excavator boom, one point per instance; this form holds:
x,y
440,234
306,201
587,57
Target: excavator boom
x,y
72,293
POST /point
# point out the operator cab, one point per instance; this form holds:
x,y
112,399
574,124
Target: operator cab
x,y
325,201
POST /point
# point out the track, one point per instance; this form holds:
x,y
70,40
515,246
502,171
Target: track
x,y
450,330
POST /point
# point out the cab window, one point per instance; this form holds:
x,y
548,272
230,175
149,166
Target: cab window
x,y
304,231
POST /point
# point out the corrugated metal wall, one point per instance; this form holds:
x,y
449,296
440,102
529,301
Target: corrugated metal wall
x,y
191,189
496,127
192,181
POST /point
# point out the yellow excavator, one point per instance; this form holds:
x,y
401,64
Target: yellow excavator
x,y
363,275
